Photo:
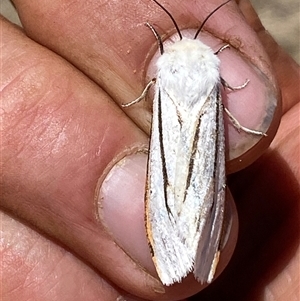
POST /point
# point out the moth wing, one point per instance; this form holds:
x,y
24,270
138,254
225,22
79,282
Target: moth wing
x,y
170,256
201,218
185,169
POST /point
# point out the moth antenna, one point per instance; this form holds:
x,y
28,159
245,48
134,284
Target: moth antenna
x,y
158,38
203,23
171,17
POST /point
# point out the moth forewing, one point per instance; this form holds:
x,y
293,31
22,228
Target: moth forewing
x,y
207,255
171,259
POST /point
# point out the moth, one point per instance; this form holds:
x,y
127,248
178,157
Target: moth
x,y
186,181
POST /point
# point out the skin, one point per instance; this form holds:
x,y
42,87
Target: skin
x,y
62,133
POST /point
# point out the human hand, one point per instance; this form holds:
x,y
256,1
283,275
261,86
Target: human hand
x,y
61,133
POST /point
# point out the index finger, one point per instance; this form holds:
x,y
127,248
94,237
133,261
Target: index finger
x,y
109,42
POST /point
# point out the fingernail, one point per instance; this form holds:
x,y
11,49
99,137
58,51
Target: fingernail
x,y
121,207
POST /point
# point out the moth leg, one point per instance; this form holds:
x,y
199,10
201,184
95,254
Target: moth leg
x,y
239,127
222,48
233,120
141,97
226,85
223,81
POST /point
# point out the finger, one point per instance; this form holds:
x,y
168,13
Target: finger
x,y
57,138
130,231
34,267
286,69
112,46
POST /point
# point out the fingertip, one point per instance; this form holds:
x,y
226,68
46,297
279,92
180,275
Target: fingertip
x,y
121,210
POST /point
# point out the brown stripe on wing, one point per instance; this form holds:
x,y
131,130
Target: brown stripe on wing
x,y
162,152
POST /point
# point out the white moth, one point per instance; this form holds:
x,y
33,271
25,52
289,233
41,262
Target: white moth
x,y
185,189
